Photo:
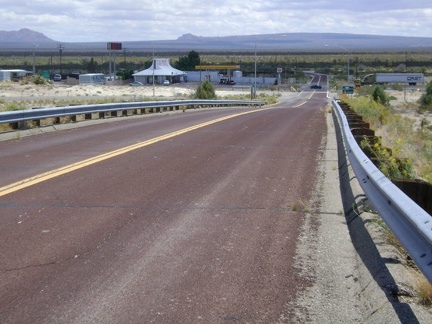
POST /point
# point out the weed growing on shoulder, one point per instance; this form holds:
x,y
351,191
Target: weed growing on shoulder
x,y
391,167
424,290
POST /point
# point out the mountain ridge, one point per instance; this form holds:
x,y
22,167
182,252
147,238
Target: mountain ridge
x,y
23,35
26,39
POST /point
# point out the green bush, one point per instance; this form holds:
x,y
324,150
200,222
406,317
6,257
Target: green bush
x,y
379,95
39,80
426,98
205,91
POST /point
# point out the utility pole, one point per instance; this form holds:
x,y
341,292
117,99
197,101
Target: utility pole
x,y
34,65
60,47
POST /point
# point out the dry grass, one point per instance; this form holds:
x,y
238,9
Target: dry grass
x,y
300,206
424,291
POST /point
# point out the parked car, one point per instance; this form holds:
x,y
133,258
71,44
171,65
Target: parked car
x,y
226,81
136,84
57,77
315,86
166,82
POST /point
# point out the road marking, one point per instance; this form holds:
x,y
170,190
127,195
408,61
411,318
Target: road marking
x,y
301,104
81,164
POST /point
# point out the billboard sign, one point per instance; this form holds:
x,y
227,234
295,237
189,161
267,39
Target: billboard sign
x,y
114,46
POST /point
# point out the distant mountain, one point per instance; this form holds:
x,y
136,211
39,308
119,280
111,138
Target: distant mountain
x,y
23,35
26,38
286,42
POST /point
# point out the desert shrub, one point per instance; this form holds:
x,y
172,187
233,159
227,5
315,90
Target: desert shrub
x,y
379,95
205,91
39,80
390,166
426,98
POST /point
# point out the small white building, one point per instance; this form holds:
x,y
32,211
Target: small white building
x,y
92,78
13,75
160,70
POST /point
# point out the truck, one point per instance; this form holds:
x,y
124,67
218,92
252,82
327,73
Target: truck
x,y
381,78
92,78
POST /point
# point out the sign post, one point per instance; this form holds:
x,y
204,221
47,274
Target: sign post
x,y
279,72
113,47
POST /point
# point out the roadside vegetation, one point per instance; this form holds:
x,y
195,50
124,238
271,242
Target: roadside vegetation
x,y
410,154
405,151
205,91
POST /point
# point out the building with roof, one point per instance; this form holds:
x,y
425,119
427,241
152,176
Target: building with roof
x,y
13,75
160,70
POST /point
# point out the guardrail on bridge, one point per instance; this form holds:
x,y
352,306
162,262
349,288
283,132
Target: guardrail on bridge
x,y
125,108
409,222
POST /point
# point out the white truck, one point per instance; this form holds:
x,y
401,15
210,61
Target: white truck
x,y
380,78
92,78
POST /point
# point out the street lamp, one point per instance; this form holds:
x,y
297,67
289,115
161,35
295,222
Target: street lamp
x,y
255,74
153,72
347,56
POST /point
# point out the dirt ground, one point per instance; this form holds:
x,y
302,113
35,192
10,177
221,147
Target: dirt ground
x,y
10,91
406,103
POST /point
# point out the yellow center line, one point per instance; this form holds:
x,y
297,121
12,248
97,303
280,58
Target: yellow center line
x,y
81,164
301,104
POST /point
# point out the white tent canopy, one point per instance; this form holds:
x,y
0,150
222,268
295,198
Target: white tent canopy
x,y
160,69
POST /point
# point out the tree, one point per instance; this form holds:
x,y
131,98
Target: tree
x,y
205,91
379,95
91,66
188,63
125,74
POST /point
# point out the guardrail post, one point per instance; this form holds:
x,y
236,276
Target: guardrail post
x,y
88,116
418,190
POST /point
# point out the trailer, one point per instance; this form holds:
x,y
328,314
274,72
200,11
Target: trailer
x,y
382,78
92,78
13,75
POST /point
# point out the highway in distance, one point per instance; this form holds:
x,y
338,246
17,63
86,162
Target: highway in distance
x,y
173,218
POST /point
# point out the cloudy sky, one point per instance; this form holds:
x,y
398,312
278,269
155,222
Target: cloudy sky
x,y
129,20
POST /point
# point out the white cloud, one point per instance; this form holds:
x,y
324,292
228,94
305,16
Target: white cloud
x,y
109,20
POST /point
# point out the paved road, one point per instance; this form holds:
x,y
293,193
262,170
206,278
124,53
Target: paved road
x,y
197,227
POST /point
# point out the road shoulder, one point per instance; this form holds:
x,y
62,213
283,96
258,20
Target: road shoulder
x,y
345,257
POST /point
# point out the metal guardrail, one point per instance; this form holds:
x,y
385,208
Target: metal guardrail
x,y
409,222
42,113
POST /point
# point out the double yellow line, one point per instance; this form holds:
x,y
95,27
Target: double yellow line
x,y
78,165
